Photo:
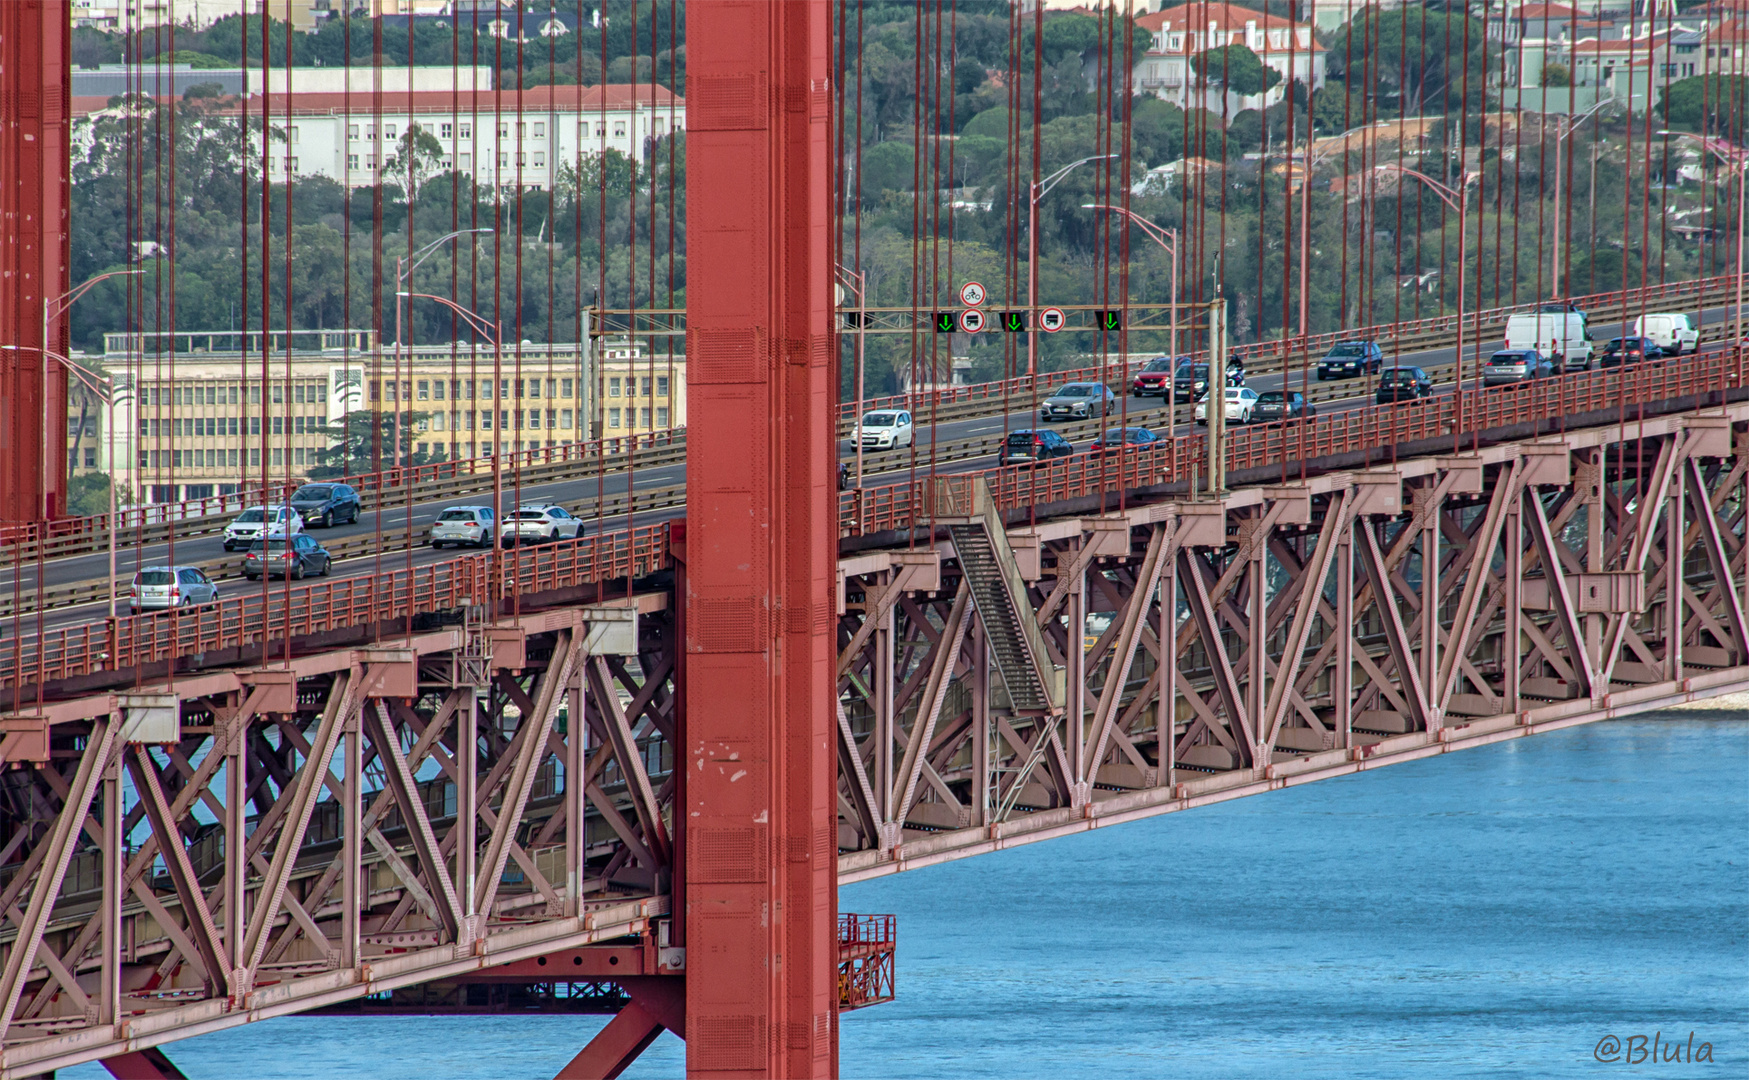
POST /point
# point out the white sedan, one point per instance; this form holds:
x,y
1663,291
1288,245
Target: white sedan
x,y
888,429
1241,401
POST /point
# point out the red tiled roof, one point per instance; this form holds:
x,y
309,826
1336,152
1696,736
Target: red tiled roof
x,y
1227,18
536,99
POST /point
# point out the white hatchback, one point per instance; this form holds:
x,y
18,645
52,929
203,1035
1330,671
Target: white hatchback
x,y
540,522
888,429
1241,402
276,522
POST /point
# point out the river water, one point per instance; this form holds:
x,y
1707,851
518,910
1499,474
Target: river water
x,y
1496,912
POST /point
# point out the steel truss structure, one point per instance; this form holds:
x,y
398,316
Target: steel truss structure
x,y
1209,647
259,841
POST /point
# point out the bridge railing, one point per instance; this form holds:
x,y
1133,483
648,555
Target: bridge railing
x,y
902,506
63,536
251,618
1117,371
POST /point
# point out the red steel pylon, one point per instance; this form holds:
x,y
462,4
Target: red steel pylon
x,y
35,92
760,889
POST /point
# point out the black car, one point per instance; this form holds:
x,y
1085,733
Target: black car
x,y
1282,405
1129,436
1191,381
1034,445
326,504
1630,350
1351,358
843,475
1403,384
274,559
1510,366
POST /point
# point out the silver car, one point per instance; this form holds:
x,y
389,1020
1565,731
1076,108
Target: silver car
x,y
159,588
276,522
460,525
536,522
1078,401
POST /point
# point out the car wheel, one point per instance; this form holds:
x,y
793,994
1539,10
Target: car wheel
x,y
187,601
437,545
298,571
327,566
228,546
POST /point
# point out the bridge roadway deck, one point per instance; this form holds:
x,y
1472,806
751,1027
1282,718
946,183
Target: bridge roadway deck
x,y
876,515
1388,588
976,413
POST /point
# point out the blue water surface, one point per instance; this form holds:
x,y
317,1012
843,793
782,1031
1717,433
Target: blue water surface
x,y
1489,913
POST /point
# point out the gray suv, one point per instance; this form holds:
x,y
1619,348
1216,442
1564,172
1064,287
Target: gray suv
x,y
326,504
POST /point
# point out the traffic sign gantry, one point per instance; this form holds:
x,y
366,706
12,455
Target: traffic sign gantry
x,y
971,294
971,320
1051,319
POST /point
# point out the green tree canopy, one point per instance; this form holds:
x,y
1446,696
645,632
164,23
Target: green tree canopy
x,y
1235,67
1709,104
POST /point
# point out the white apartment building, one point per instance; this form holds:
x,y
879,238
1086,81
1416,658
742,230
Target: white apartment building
x,y
505,138
1181,33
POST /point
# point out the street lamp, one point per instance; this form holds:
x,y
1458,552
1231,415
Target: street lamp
x,y
858,285
1039,191
105,390
1458,200
404,267
1735,158
1168,241
1563,128
494,334
54,308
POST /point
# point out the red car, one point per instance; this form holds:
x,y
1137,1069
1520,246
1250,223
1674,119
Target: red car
x,y
1154,378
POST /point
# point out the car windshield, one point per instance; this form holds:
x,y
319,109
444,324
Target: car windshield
x,y
1506,358
880,419
456,515
1075,390
1349,348
153,577
1395,375
313,493
1021,438
1161,364
249,516
530,515
266,545
1198,370
1618,343
1233,395
1270,397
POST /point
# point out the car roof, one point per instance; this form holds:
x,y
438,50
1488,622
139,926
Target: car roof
x,y
540,506
488,509
177,567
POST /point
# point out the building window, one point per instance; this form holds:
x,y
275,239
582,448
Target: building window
x,y
540,160
661,386
425,389
445,131
619,129
485,389
534,418
294,164
467,162
644,386
294,133
352,161
485,419
661,416
370,131
436,421
388,131
565,419
601,129
534,388
613,386
644,417
467,131
540,130
613,418
565,384
657,130
352,131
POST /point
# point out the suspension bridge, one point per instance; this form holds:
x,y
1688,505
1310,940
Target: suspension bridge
x,y
626,774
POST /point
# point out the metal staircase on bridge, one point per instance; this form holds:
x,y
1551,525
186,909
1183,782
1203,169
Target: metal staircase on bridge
x,y
980,540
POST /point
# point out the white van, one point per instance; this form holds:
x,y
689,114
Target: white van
x,y
1559,336
1671,331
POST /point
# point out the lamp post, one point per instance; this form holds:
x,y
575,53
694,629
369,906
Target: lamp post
x,y
54,308
105,390
858,285
495,335
1563,128
1038,191
1457,199
1736,158
404,267
1168,241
